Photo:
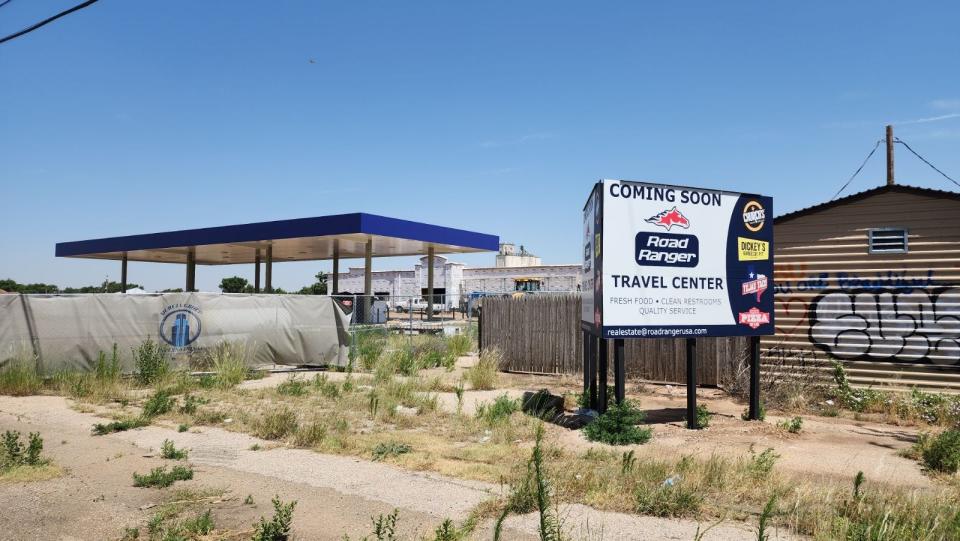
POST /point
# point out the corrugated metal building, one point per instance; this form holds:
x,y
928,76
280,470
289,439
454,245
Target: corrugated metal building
x,y
873,279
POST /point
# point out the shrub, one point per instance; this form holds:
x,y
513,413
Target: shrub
x,y
161,478
942,452
761,465
703,416
191,403
792,426
484,374
326,387
278,527
388,449
169,452
13,453
293,386
19,377
499,410
201,524
150,361
276,424
618,426
101,429
159,403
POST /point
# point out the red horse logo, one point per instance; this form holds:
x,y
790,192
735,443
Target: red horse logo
x,y
669,218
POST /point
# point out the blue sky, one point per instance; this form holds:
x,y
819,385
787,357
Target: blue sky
x,y
134,117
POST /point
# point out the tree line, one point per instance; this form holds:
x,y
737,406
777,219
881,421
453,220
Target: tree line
x,y
233,284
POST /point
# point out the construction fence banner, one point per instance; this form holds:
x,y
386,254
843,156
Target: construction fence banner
x,y
68,332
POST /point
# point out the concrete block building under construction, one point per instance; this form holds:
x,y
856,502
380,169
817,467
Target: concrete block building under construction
x,y
514,270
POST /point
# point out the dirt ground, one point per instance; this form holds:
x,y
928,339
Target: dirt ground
x,y
339,495
95,499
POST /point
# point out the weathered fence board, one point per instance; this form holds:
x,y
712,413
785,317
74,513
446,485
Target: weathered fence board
x,y
541,333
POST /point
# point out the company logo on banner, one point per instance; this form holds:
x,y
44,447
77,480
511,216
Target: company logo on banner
x,y
753,250
667,249
677,262
180,324
669,218
754,216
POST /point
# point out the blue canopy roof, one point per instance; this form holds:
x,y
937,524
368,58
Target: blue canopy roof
x,y
302,239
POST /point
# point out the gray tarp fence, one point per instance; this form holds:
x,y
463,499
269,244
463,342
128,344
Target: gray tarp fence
x,y
68,332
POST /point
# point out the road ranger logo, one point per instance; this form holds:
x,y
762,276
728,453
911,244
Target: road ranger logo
x,y
754,216
753,318
667,250
669,218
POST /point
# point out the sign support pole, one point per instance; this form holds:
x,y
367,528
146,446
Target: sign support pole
x,y
619,371
602,391
585,336
692,383
754,378
592,362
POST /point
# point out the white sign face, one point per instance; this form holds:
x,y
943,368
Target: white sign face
x,y
683,262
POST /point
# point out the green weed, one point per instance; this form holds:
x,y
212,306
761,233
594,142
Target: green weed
x,y
618,426
278,527
168,451
161,478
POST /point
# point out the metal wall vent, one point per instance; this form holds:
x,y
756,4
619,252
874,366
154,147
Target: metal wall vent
x,y
888,240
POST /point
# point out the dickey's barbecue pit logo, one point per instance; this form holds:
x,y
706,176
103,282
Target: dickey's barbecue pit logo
x,y
668,219
754,216
752,249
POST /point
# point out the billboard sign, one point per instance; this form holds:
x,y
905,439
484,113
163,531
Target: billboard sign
x,y
676,262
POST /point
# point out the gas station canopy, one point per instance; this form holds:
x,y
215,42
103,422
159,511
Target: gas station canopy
x,y
303,239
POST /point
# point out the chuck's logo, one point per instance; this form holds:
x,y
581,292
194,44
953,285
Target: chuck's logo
x,y
667,250
753,318
754,216
669,219
180,324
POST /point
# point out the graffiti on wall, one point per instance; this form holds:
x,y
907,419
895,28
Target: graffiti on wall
x,y
906,324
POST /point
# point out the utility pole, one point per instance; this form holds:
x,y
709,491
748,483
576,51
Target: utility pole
x,y
889,155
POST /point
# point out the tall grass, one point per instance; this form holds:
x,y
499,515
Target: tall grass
x,y
19,377
228,361
484,374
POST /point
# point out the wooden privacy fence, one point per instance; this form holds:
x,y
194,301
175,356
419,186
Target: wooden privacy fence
x,y
541,334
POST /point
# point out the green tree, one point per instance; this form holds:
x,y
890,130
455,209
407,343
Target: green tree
x,y
234,284
319,287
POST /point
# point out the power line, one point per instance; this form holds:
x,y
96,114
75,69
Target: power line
x,y
44,22
924,160
857,172
5,2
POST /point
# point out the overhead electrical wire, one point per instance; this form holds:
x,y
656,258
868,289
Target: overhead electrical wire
x,y
5,2
857,172
44,22
924,160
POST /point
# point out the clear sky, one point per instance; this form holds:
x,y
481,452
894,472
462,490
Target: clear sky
x,y
135,116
